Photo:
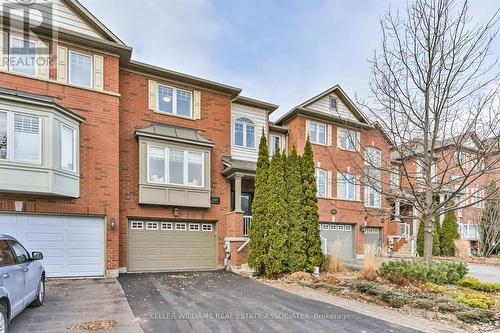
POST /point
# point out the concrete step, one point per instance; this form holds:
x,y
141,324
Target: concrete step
x,y
243,270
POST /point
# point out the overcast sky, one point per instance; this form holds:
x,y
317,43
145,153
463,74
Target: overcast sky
x,y
283,52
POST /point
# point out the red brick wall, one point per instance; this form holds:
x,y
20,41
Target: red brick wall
x,y
337,160
214,125
99,144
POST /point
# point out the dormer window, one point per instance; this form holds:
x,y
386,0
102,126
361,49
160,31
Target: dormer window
x,y
244,133
333,103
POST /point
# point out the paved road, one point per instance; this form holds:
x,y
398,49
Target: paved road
x,y
225,302
70,302
485,273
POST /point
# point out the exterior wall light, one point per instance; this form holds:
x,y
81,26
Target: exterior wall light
x,y
112,223
177,211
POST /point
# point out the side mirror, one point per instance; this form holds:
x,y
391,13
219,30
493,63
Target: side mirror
x,y
37,255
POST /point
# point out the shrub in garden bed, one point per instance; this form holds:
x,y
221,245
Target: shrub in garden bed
x,y
475,284
369,288
475,315
476,300
394,298
407,271
422,303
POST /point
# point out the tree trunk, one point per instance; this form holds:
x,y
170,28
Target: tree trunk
x,y
429,234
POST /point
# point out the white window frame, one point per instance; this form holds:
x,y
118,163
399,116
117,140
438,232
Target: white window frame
x,y
333,227
30,40
71,51
348,183
350,135
316,140
167,226
137,225
151,225
272,147
245,122
477,196
75,146
340,227
336,103
377,197
394,180
348,228
11,137
326,227
194,227
180,227
174,101
317,172
185,167
206,227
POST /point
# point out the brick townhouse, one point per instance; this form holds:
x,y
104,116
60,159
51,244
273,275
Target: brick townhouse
x,y
110,165
455,158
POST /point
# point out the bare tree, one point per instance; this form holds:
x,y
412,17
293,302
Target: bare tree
x,y
489,223
434,87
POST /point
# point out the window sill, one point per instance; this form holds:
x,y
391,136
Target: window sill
x,y
173,115
168,195
348,200
246,148
348,150
320,144
67,84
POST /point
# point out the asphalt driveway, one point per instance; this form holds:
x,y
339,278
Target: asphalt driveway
x,y
71,302
224,302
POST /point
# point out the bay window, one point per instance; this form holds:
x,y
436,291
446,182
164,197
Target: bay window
x,y
68,148
175,166
80,69
3,135
174,101
317,133
27,139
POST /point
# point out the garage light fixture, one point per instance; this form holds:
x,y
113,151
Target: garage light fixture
x,y
177,211
112,223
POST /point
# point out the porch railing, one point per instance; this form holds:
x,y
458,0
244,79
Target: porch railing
x,y
469,231
247,221
405,230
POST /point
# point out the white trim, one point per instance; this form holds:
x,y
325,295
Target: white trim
x,y
11,135
167,226
351,135
180,227
246,125
91,72
317,172
206,227
174,101
75,146
185,166
136,225
30,40
194,227
150,225
316,139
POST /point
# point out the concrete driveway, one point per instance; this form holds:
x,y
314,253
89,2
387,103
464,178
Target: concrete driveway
x,y
70,302
225,302
484,273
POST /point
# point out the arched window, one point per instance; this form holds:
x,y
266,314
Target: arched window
x,y
244,133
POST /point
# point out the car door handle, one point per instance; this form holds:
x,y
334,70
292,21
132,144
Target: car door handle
x,y
26,269
6,275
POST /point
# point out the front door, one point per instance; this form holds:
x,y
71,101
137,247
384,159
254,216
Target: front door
x,y
246,203
12,278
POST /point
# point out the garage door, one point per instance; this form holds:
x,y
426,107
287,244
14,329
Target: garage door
x,y
164,246
374,236
343,234
71,246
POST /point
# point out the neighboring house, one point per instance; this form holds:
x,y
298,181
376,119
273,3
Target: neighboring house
x,y
351,207
455,157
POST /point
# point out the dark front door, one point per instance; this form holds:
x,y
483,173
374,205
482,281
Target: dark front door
x,y
246,203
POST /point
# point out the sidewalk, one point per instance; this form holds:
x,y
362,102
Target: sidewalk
x,y
372,310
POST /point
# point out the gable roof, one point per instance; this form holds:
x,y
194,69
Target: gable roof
x,y
304,108
256,103
89,18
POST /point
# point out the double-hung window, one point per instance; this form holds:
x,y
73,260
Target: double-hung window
x,y
20,137
317,133
175,101
275,144
373,185
347,139
22,56
80,69
175,166
321,183
244,133
347,186
68,148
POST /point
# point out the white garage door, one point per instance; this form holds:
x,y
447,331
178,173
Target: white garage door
x,y
71,246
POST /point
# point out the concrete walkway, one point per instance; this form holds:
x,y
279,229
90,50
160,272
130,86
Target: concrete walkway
x,y
70,302
484,273
371,310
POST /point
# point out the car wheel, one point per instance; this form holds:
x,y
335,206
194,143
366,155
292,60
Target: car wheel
x,y
4,321
40,297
